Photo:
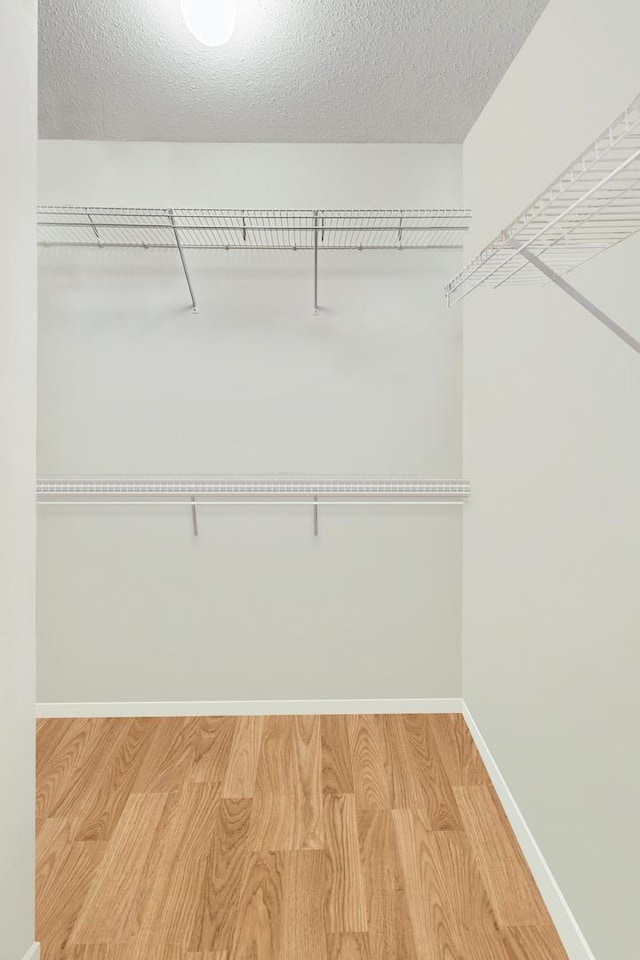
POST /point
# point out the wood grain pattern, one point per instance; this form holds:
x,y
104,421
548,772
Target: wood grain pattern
x,y
240,778
109,910
213,740
337,768
105,793
458,752
512,891
277,838
439,800
170,755
447,903
304,885
258,932
101,744
348,946
224,874
287,809
56,768
371,770
346,905
390,930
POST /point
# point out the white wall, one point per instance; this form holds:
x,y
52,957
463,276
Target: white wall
x,y
17,474
552,534
131,606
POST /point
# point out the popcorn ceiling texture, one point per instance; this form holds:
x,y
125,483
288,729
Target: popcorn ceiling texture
x,y
295,70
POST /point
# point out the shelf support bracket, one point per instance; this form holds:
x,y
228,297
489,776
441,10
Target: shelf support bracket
x,y
95,229
315,515
183,261
315,261
194,516
581,299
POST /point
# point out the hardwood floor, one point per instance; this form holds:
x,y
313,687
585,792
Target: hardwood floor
x,y
277,838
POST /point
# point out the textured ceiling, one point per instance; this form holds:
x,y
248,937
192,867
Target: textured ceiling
x,y
294,70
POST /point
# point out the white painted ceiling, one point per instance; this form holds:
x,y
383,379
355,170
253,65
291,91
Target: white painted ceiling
x,y
294,70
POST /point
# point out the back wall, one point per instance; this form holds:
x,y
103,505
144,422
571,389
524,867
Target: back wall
x,y
130,605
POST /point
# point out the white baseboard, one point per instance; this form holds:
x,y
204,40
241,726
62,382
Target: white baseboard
x,y
221,708
33,953
566,924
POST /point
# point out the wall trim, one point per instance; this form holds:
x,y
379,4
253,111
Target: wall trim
x,y
33,953
566,924
211,708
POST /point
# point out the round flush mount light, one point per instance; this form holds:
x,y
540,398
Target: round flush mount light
x,y
210,21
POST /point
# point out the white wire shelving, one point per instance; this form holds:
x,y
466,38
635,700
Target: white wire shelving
x,y
205,229
208,229
199,491
592,206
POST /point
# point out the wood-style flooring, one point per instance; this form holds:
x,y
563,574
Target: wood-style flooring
x,y
277,838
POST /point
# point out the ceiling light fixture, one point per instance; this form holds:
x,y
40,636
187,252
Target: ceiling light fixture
x,y
210,21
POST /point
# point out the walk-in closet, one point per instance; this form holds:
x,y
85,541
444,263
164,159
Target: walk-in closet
x,y
319,526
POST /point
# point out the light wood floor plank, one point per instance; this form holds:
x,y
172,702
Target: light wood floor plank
x,y
52,841
458,752
212,747
105,739
337,768
190,833
111,911
389,920
240,777
348,946
258,933
346,905
170,919
513,894
170,756
434,929
308,781
534,943
60,766
304,890
64,893
439,802
449,907
224,874
50,731
371,767
103,795
287,808
408,789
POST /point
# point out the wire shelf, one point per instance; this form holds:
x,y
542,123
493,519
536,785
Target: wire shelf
x,y
204,229
593,205
252,489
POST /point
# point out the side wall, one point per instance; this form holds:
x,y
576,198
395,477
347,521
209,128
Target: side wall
x,y
552,536
131,606
18,58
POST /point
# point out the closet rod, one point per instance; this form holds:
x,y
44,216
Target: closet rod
x,y
275,502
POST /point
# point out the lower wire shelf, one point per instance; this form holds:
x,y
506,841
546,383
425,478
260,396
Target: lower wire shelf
x,y
252,491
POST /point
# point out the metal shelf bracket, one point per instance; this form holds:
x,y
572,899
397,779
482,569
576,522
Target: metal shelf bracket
x,y
184,262
315,261
580,298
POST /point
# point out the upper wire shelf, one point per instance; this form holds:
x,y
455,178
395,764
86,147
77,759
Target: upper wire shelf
x,y
593,205
246,489
206,229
